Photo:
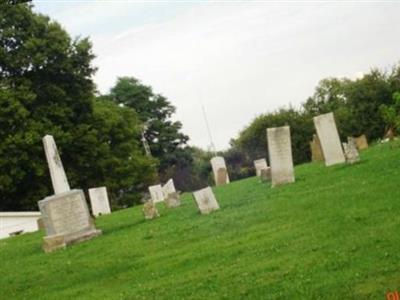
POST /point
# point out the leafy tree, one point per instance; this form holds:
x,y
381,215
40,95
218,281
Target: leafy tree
x,y
391,113
46,88
163,135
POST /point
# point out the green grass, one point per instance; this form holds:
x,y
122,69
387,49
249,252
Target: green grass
x,y
334,234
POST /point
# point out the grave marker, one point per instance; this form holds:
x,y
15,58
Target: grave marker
x,y
205,200
156,193
219,170
150,211
280,155
260,164
99,201
316,150
329,138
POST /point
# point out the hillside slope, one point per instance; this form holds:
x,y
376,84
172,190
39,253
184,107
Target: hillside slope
x,y
333,234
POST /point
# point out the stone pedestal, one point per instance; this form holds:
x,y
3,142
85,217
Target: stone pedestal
x,y
205,200
280,155
99,201
66,219
150,211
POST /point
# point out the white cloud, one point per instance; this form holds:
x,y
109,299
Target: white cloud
x,y
241,59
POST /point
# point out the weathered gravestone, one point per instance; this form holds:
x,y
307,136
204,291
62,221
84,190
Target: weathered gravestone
x,y
65,215
361,142
350,151
260,164
156,193
66,219
219,170
99,201
150,211
205,200
316,150
57,173
329,138
280,155
265,174
171,197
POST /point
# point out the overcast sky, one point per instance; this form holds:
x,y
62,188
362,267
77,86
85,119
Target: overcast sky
x,y
238,59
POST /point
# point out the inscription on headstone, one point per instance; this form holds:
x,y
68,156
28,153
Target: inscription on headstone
x,y
57,173
280,155
329,138
205,200
218,163
99,201
156,193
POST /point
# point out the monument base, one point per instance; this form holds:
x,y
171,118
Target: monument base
x,y
55,242
67,220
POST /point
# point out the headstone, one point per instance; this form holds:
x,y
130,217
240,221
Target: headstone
x,y
220,176
156,193
172,200
260,164
329,138
99,201
67,220
205,200
57,173
265,174
350,151
361,142
150,211
316,150
280,155
168,188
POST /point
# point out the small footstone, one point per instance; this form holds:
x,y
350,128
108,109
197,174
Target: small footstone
x,y
172,200
265,174
150,211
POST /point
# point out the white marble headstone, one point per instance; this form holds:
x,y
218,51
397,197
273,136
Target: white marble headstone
x,y
156,193
280,155
260,164
329,139
205,200
57,173
168,188
99,201
218,163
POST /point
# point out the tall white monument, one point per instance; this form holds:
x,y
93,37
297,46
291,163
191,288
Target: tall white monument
x,y
329,139
57,173
280,155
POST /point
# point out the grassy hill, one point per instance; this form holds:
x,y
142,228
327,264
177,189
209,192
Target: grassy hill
x,y
333,234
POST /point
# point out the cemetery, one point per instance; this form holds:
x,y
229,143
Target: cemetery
x,y
103,197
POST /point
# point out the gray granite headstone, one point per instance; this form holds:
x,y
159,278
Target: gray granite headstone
x,y
280,155
350,151
329,138
66,218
